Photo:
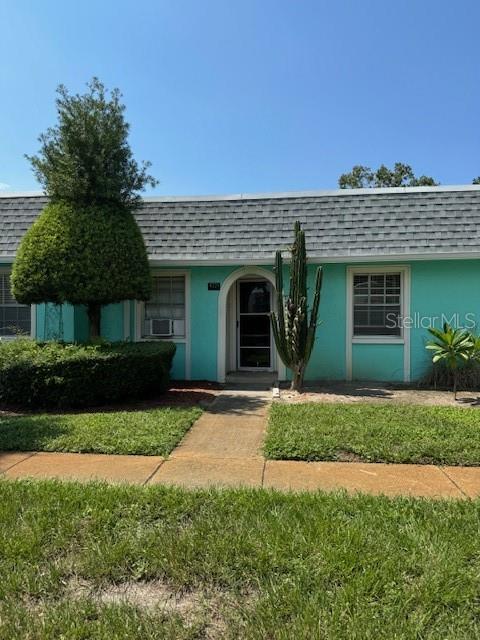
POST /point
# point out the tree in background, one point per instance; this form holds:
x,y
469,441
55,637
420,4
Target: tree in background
x,y
476,180
293,330
361,177
85,247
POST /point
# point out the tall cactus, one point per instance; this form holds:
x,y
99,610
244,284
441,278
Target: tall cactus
x,y
293,330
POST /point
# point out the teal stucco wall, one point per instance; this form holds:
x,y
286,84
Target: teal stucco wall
x,y
204,320
328,356
439,290
55,322
178,371
70,323
112,325
377,362
442,290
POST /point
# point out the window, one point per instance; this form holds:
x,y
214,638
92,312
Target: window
x,y
164,313
15,318
377,304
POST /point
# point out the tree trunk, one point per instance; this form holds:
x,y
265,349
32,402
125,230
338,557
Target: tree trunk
x,y
297,380
94,315
455,384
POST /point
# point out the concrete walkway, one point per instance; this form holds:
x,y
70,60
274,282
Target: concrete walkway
x,y
223,448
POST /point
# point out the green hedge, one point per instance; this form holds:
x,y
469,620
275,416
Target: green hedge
x,y
58,375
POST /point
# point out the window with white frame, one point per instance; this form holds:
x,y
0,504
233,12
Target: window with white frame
x,y
164,313
15,318
377,302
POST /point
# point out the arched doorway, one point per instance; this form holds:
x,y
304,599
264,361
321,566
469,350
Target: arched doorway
x,y
244,335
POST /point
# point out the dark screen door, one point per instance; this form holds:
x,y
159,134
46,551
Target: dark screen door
x,y
254,340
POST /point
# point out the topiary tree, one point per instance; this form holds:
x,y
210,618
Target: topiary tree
x,y
91,255
293,330
85,247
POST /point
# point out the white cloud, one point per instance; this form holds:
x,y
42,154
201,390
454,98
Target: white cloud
x,y
4,186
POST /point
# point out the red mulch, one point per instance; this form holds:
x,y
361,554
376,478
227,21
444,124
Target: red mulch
x,y
187,393
181,394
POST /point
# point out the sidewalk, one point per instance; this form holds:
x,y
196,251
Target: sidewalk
x,y
223,449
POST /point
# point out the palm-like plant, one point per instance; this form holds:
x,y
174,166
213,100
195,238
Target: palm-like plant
x,y
475,350
452,346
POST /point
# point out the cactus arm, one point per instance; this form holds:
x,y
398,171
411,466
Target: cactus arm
x,y
302,265
294,282
278,318
316,297
314,315
279,340
280,301
279,273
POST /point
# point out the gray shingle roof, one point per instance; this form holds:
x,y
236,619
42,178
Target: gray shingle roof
x,y
357,224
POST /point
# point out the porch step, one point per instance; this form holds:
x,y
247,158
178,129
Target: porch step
x,y
261,380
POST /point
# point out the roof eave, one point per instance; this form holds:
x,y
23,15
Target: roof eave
x,y
470,255
277,195
155,260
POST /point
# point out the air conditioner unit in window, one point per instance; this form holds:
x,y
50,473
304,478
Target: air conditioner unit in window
x,y
159,327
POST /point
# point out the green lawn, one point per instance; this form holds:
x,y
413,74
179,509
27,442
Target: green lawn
x,y
243,564
150,432
374,433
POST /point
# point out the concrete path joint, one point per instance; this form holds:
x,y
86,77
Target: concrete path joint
x,y
223,449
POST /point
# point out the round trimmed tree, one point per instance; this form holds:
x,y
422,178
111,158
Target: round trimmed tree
x,y
85,247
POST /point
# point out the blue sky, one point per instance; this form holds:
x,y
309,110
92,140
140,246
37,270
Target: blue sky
x,y
253,95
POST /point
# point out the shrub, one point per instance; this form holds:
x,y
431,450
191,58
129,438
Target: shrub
x,y
439,376
58,375
456,360
454,347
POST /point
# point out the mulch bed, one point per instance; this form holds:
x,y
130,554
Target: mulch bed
x,y
189,393
348,392
181,394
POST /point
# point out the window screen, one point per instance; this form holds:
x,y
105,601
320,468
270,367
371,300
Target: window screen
x,y
376,304
166,303
15,318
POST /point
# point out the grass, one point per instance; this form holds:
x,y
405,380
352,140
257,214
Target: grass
x,y
149,432
249,564
374,433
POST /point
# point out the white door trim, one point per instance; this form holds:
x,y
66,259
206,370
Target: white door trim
x,y
222,317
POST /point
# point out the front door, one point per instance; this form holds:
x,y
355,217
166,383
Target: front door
x,y
254,335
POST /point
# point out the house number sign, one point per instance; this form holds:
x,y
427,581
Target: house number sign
x,y
214,286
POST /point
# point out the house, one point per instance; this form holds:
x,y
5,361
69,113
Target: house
x,y
395,261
